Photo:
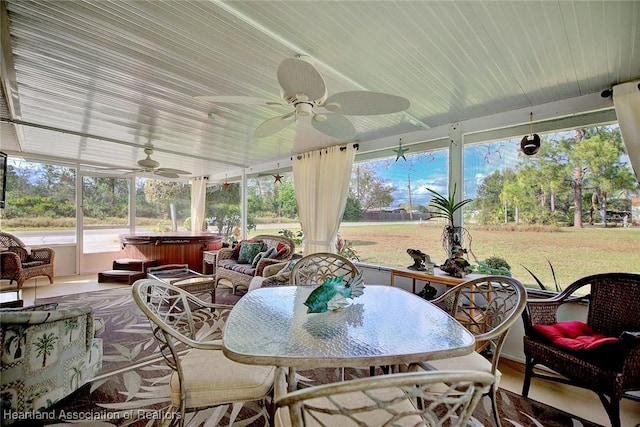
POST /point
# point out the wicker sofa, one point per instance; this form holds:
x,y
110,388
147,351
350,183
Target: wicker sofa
x,y
19,263
234,266
46,354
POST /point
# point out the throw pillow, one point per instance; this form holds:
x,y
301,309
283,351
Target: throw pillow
x,y
264,254
248,251
22,253
238,247
270,253
574,335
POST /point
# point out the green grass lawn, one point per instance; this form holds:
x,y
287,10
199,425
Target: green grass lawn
x,y
574,253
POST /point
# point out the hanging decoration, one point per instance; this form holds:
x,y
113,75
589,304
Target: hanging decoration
x,y
277,177
530,144
226,184
400,151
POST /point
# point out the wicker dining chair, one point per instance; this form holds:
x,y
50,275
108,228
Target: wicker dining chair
x,y
609,367
314,269
487,307
202,376
435,398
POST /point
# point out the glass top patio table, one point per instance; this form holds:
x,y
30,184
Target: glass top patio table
x,y
384,326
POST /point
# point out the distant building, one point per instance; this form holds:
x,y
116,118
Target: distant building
x,y
394,213
635,211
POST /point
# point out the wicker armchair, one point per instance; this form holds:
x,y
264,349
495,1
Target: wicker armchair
x,y
16,263
609,369
413,399
487,307
202,376
239,274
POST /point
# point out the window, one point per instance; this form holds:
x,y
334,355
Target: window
x,y
523,210
40,195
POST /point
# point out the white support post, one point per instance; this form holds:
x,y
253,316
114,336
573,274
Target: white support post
x,y
243,204
456,167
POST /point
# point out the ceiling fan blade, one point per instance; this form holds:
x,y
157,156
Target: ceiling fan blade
x,y
271,126
165,174
173,171
334,124
297,76
249,100
363,103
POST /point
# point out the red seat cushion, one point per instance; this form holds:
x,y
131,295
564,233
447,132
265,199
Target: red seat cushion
x,y
574,335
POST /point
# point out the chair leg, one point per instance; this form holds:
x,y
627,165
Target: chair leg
x,y
612,407
528,373
494,405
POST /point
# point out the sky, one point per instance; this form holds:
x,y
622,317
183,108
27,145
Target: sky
x,y
422,170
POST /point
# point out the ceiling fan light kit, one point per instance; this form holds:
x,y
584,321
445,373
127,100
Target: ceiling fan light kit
x,y
303,87
148,162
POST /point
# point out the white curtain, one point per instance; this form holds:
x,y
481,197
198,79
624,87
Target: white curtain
x,y
321,181
198,196
626,99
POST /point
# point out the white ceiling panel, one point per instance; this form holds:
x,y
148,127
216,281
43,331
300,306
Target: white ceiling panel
x,y
97,81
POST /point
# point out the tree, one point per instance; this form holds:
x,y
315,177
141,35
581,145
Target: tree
x,y
352,210
598,155
173,195
488,201
370,189
287,204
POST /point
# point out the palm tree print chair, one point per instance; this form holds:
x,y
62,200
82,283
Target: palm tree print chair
x,y
46,354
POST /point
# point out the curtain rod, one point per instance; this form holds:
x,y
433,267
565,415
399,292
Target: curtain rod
x,y
608,93
344,147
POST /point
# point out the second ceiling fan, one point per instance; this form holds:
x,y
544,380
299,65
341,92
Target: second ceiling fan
x,y
303,87
152,166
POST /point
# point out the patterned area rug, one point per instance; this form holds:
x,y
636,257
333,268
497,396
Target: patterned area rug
x,y
132,388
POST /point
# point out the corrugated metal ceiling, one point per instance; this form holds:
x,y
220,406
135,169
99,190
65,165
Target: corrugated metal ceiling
x,y
118,76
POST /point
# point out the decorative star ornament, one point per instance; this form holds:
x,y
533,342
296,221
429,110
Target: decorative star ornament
x,y
226,184
400,151
277,176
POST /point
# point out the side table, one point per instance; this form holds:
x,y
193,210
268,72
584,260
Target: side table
x,y
209,257
11,298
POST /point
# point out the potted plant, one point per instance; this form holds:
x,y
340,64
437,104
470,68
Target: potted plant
x,y
445,207
493,266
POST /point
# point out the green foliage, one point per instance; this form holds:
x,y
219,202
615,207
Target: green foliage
x,y
163,226
286,200
297,236
493,265
346,249
558,288
570,175
187,224
445,207
353,210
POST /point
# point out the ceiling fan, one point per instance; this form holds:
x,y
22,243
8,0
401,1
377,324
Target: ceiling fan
x,y
303,87
151,166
